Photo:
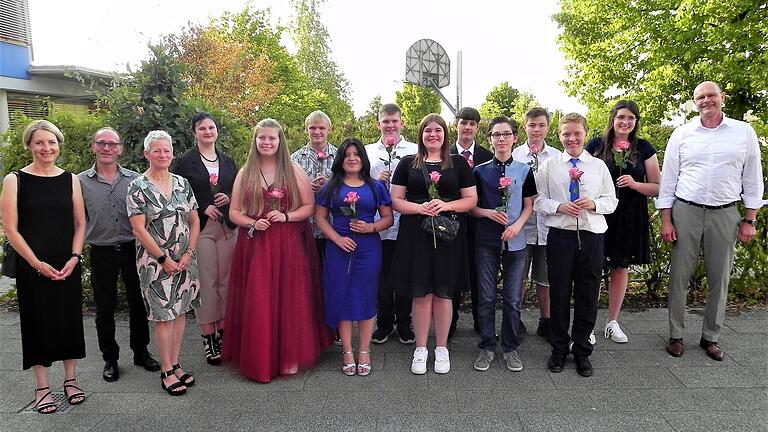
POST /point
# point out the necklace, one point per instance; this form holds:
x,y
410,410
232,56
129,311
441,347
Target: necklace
x,y
210,160
159,178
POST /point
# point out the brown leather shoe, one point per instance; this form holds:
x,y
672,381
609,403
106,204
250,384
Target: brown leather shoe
x,y
675,347
712,348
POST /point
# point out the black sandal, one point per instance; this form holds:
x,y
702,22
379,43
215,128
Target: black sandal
x,y
78,394
40,406
171,388
186,379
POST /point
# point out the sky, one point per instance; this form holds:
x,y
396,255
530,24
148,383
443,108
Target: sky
x,y
500,40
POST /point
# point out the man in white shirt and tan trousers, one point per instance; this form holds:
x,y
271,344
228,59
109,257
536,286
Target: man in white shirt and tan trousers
x,y
710,164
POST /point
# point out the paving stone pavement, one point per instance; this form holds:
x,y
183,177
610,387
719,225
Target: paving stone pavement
x,y
636,387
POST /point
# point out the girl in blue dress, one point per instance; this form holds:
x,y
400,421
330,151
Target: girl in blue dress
x,y
353,254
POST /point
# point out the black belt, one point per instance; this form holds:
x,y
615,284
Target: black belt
x,y
708,207
119,246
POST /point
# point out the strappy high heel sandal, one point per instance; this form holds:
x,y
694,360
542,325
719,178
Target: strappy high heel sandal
x,y
172,389
73,398
43,407
363,369
186,379
349,369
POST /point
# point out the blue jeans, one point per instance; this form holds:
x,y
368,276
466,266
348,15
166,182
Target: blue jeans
x,y
513,273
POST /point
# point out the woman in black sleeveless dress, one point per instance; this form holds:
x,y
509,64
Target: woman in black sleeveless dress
x,y
44,220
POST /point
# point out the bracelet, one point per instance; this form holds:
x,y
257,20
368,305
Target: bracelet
x,y
286,216
752,222
192,252
77,255
252,229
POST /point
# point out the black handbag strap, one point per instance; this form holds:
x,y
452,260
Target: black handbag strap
x,y
426,174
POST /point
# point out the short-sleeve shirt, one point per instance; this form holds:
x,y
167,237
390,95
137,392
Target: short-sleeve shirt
x,y
489,196
452,180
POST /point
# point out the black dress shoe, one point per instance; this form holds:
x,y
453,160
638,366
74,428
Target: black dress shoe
x,y
146,361
111,371
583,366
556,363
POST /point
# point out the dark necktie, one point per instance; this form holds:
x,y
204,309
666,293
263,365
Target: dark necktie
x,y
466,155
574,187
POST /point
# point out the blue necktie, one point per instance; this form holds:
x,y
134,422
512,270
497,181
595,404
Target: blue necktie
x,y
574,187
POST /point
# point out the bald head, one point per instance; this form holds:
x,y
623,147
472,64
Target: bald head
x,y
709,101
709,85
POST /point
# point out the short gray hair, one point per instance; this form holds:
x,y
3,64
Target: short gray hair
x,y
157,135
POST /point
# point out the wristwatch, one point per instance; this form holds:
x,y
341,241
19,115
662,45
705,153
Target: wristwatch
x,y
161,259
752,222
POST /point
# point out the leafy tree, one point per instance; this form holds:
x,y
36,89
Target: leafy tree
x,y
656,52
293,100
415,103
499,101
327,82
224,72
149,99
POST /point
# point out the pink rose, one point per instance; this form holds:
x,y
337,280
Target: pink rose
x,y
351,197
321,155
471,163
276,193
622,145
389,141
505,182
434,176
213,178
575,173
534,148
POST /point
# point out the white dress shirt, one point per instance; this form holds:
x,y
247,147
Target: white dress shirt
x,y
553,181
535,229
377,154
712,166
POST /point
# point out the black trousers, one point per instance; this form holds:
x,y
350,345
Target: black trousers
x,y
391,308
574,266
457,296
107,263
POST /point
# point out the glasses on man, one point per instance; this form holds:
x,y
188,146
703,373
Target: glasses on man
x,y
506,135
110,144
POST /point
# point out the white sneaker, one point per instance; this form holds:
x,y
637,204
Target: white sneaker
x,y
613,331
419,363
592,338
442,360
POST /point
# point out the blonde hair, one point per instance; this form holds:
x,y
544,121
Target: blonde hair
x,y
37,125
573,118
317,116
285,175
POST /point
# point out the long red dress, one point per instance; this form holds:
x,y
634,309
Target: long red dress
x,y
274,321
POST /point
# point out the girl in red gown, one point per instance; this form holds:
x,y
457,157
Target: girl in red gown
x,y
274,317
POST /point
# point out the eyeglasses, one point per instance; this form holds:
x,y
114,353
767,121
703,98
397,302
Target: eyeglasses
x,y
497,135
111,144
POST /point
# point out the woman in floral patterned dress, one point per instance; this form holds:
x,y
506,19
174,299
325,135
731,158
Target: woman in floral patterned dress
x,y
161,207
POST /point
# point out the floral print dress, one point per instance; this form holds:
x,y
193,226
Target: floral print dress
x,y
167,221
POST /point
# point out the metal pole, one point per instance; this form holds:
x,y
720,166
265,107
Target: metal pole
x,y
458,80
